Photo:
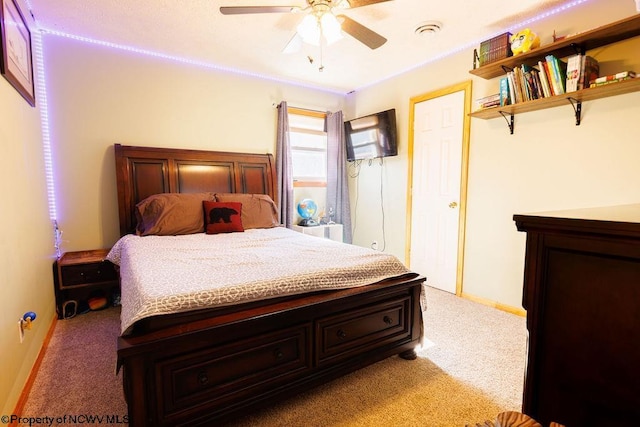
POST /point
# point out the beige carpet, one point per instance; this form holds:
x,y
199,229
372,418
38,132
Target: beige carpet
x,y
471,369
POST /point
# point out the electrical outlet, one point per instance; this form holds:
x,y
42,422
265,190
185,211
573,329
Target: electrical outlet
x,y
21,330
374,245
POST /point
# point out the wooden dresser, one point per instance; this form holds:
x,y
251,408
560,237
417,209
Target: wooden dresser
x,y
582,296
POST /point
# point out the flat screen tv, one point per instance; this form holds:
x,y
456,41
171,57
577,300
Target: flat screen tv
x,y
372,136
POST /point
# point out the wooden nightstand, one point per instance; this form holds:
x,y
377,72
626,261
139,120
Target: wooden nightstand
x,y
77,275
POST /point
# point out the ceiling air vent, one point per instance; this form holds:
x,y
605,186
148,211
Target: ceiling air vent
x,y
427,28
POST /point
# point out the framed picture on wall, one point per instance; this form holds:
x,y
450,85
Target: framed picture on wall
x,y
16,63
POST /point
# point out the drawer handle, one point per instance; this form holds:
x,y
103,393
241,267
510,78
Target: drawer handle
x,y
278,354
203,378
388,320
341,334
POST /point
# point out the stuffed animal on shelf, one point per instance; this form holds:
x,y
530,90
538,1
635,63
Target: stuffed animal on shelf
x,y
523,41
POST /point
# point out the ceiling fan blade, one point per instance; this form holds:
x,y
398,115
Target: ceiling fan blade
x,y
241,10
361,33
360,3
294,45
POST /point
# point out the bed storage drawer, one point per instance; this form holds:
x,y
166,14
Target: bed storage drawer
x,y
347,334
220,375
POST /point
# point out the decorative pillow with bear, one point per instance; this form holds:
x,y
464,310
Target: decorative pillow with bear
x,y
222,217
258,210
171,214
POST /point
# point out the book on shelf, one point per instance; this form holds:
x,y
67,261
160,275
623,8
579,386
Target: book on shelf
x,y
505,96
512,90
526,94
488,101
610,77
558,73
546,89
517,82
581,69
574,65
530,85
547,69
523,84
495,49
527,83
590,69
538,83
534,79
606,82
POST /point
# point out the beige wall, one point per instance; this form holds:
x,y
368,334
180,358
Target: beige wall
x,y
100,96
549,163
26,246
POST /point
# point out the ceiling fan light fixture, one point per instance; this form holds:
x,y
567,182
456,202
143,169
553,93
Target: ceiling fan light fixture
x,y
314,27
331,29
309,29
342,4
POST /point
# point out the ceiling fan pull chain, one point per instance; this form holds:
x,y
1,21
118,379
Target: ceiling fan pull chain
x,y
321,67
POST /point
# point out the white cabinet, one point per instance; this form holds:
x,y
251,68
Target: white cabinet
x,y
328,231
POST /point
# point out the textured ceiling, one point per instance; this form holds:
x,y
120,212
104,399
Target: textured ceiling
x,y
196,30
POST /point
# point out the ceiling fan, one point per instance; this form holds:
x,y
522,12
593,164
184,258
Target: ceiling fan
x,y
322,20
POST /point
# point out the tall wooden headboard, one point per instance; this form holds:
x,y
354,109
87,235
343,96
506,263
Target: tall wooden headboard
x,y
143,171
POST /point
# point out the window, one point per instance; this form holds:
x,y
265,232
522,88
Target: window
x,y
308,147
365,137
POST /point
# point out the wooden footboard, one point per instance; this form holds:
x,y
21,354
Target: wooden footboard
x,y
213,368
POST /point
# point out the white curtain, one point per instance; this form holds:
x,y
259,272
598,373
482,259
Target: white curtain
x,y
284,168
337,184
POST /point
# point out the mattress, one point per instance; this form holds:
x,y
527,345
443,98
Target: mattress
x,y
172,274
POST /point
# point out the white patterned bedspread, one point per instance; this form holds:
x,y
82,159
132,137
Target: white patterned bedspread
x,y
170,274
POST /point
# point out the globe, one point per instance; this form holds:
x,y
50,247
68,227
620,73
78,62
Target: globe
x,y
307,208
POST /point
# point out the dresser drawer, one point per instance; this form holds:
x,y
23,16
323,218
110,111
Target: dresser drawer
x,y
89,273
345,335
222,374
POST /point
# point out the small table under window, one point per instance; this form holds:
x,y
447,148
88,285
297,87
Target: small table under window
x,y
328,231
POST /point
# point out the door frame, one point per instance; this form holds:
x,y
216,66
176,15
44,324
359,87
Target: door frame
x,y
464,170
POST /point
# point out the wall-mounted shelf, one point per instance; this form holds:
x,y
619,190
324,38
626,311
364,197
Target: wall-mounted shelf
x,y
579,43
601,36
613,89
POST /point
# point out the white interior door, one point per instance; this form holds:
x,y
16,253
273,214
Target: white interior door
x,y
437,170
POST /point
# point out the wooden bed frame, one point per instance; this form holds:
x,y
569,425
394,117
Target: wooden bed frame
x,y
212,364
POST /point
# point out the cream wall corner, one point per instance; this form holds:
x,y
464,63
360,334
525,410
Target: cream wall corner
x,y
26,248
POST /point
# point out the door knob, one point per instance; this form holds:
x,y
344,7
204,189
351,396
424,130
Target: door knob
x,y
453,205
